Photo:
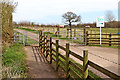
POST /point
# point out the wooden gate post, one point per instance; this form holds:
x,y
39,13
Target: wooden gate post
x,y
85,64
50,50
57,54
67,60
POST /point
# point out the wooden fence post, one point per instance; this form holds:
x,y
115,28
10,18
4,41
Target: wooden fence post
x,y
45,51
85,64
87,38
74,32
40,41
84,34
67,60
44,44
50,50
46,47
40,37
57,54
110,39
67,33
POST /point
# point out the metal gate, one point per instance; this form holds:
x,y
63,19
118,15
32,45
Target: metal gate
x,y
78,35
25,38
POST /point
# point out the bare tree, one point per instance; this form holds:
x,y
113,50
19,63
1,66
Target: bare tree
x,y
109,16
70,18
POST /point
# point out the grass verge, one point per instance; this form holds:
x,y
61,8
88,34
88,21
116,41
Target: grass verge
x,y
13,62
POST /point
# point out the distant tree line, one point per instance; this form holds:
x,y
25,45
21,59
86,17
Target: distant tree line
x,y
112,24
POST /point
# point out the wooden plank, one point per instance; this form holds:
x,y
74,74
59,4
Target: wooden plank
x,y
75,66
104,40
53,50
54,43
53,54
101,38
90,78
105,43
61,47
53,58
48,46
62,63
76,56
62,56
78,76
103,34
104,71
96,43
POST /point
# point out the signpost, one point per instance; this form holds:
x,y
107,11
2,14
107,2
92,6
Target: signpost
x,y
100,23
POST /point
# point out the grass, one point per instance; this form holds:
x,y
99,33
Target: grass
x,y
77,71
13,62
26,29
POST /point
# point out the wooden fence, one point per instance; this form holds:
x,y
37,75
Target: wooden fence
x,y
106,39
52,54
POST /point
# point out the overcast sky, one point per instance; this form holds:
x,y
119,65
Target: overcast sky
x,y
50,11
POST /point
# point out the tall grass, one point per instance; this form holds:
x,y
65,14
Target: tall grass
x,y
13,62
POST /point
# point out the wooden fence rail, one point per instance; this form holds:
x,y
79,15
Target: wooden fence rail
x,y
107,39
53,54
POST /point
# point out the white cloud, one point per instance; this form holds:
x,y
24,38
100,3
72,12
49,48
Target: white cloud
x,y
35,9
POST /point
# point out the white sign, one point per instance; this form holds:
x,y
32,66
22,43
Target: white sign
x,y
100,21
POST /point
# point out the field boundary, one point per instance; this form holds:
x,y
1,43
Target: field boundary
x,y
108,39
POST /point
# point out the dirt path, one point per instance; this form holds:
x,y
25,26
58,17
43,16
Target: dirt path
x,y
37,64
105,57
